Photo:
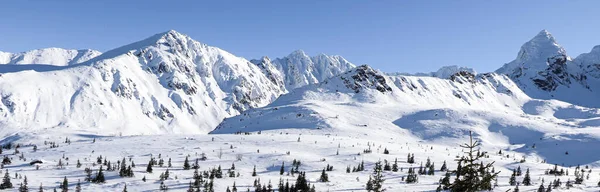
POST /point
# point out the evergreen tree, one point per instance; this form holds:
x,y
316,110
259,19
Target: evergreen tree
x,y
541,188
513,180
41,189
431,169
412,176
324,177
23,187
254,171
186,164
6,184
470,178
169,163
395,165
527,179
125,188
65,185
446,181
386,166
100,176
149,168
282,169
411,158
301,183
444,167
369,185
377,181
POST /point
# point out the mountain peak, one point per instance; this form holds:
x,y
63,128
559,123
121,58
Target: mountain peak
x,y
298,52
542,46
167,36
534,54
544,33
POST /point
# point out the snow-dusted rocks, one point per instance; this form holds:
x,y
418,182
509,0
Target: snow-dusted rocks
x,y
365,77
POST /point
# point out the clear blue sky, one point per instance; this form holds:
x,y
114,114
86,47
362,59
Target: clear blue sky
x,y
393,35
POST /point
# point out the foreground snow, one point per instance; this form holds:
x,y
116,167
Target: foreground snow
x,y
266,151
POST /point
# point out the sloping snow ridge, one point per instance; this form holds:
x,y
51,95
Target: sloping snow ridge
x,y
50,56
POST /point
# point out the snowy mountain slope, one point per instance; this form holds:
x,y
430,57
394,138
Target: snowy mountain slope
x,y
50,56
167,83
270,71
444,72
366,102
299,69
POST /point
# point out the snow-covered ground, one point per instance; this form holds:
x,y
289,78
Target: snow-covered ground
x,y
267,151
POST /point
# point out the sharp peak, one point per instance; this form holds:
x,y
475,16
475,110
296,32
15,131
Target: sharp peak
x,y
298,52
542,42
171,31
544,32
543,35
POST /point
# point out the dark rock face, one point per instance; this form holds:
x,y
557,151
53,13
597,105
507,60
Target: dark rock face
x,y
556,74
463,77
365,77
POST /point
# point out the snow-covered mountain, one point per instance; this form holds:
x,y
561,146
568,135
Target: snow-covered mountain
x,y
50,56
166,83
299,69
444,72
543,70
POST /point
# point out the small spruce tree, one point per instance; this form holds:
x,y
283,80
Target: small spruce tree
x,y
470,178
